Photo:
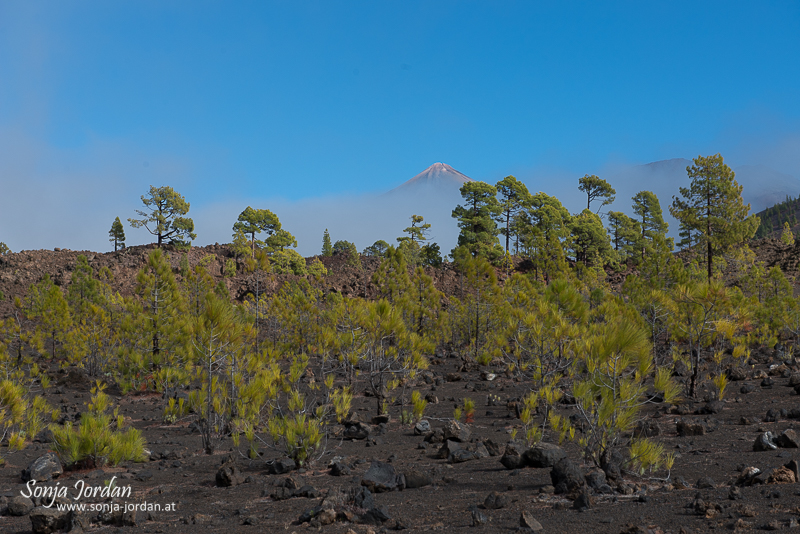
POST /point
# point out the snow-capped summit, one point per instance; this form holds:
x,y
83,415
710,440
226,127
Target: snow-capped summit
x,y
438,178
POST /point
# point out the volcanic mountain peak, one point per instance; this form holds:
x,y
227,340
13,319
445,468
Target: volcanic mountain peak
x,y
437,176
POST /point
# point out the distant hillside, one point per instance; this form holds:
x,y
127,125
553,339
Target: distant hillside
x,y
773,218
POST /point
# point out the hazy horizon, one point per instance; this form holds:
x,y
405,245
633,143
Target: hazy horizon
x,y
311,109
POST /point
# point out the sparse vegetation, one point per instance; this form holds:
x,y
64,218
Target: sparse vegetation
x,y
584,324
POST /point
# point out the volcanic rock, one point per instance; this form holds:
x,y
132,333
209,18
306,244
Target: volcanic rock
x,y
281,466
382,477
566,476
543,455
495,501
46,467
788,439
764,442
527,521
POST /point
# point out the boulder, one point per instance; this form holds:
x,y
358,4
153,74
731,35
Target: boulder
x,y
44,468
611,463
461,455
747,388
362,498
527,521
229,475
46,520
596,479
457,431
282,493
512,459
782,475
737,374
495,501
690,428
712,407
326,517
492,448
375,516
19,506
480,451
309,492
543,455
381,419
357,430
382,477
583,501
417,479
788,439
566,476
705,483
339,468
435,436
478,517
764,442
747,476
422,427
794,467
448,448
281,466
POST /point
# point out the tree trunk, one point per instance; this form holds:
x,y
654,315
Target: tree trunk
x,y
708,232
508,225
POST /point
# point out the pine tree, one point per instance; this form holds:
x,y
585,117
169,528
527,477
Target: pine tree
x,y
240,245
46,303
596,188
376,250
548,215
713,207
164,217
514,198
117,234
254,221
327,247
161,315
218,335
84,289
653,226
431,255
476,219
626,234
787,237
590,242
413,242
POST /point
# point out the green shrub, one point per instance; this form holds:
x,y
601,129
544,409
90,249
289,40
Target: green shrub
x,y
317,269
21,416
288,261
99,439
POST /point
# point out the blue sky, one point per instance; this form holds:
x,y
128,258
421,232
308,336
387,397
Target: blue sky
x,y
230,102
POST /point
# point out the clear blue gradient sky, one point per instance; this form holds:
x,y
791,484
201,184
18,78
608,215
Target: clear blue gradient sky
x,y
233,101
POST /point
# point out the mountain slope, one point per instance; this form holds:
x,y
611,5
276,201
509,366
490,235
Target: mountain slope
x,y
438,178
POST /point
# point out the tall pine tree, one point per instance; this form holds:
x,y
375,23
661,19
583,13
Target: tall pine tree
x,y
476,219
712,206
327,247
117,234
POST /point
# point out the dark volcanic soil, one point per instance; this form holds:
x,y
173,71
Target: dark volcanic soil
x,y
180,473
